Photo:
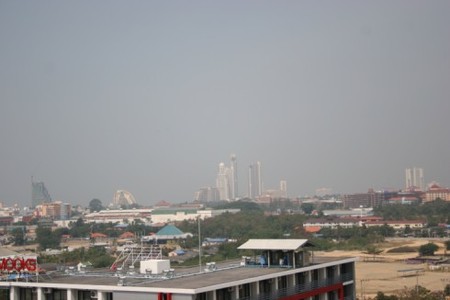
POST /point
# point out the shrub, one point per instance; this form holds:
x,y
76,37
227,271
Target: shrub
x,y
428,249
404,249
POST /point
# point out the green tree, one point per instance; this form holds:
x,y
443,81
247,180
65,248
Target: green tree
x,y
428,249
307,208
95,205
47,239
373,250
447,290
447,245
79,229
382,296
18,236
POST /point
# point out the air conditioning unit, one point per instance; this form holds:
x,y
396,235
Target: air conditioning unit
x,y
47,290
34,290
94,295
230,289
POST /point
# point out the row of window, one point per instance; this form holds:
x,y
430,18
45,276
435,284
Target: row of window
x,y
52,294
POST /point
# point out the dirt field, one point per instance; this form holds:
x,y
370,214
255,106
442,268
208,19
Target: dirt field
x,y
385,276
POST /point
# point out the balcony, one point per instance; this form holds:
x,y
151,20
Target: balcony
x,y
303,288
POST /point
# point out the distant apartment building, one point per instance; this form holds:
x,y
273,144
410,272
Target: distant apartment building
x,y
54,210
51,210
255,187
370,199
414,179
283,188
271,194
207,194
435,191
227,180
223,182
234,177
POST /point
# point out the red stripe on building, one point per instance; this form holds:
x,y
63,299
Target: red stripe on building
x,y
336,287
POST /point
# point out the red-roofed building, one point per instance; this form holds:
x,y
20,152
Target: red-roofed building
x,y
436,191
97,235
127,235
312,229
163,203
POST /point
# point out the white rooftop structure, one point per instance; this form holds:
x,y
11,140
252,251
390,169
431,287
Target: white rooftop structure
x,y
274,244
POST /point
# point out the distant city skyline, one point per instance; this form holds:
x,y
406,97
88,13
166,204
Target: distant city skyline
x,y
414,179
149,97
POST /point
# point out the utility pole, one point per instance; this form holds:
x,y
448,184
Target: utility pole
x,y
199,247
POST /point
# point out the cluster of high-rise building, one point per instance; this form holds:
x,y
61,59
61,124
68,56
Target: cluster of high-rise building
x,y
226,187
414,179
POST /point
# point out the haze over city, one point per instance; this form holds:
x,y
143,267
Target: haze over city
x,y
151,96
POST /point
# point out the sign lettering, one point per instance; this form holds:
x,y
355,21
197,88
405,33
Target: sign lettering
x,y
18,264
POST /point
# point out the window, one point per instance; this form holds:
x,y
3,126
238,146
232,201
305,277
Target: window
x,y
84,295
4,293
244,290
27,294
55,294
202,296
89,295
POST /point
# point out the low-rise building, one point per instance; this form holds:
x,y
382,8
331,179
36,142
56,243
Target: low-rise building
x,y
435,191
119,216
277,269
398,224
332,223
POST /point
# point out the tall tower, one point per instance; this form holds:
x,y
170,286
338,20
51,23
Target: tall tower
x,y
414,179
254,180
39,193
223,182
234,178
283,188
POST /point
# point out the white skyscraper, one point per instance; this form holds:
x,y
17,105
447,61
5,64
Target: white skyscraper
x,y
283,188
234,178
254,180
223,182
414,179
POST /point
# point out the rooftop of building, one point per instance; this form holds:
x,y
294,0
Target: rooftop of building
x,y
190,279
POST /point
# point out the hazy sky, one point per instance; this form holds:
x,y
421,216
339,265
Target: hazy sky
x,y
150,96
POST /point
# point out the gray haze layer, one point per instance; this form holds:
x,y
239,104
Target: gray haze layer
x,y
149,96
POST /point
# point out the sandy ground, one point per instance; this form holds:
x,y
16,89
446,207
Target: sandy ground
x,y
372,277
